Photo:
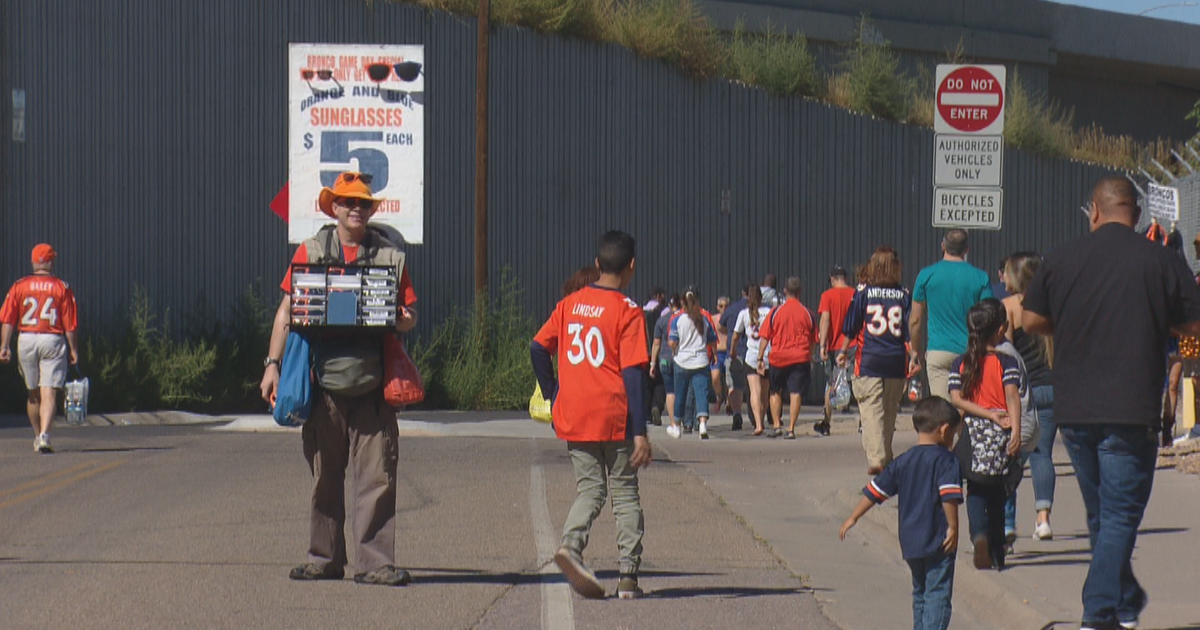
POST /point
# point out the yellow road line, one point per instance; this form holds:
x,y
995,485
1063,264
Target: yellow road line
x,y
65,482
41,480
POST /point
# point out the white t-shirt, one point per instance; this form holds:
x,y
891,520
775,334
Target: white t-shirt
x,y
744,327
692,353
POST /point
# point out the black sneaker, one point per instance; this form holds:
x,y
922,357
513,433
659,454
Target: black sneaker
x,y
627,588
656,416
313,571
821,428
737,422
386,575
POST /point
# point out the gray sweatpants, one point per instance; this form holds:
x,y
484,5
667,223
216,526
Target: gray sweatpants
x,y
600,466
359,433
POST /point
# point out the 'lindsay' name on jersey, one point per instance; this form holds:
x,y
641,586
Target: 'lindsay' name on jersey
x,y
587,310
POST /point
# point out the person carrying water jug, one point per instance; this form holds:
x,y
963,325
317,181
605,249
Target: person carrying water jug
x,y
348,427
42,308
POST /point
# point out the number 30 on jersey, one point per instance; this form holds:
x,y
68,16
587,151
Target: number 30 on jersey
x,y
585,345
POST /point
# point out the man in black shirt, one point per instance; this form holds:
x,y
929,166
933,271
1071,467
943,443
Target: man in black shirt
x,y
1111,299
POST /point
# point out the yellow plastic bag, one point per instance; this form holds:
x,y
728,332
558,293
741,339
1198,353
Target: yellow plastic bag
x,y
539,407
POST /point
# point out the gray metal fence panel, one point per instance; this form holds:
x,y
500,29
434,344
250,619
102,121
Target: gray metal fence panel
x,y
157,135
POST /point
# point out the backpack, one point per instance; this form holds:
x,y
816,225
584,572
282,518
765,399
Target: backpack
x,y
351,363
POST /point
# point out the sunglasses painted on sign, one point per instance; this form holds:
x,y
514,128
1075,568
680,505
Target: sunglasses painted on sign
x,y
406,71
325,75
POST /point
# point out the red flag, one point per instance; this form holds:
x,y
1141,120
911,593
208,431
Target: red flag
x,y
279,205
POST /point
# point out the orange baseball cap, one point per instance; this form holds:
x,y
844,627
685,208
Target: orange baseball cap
x,y
43,253
355,185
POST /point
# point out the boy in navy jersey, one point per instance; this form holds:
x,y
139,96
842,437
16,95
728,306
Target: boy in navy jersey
x,y
928,480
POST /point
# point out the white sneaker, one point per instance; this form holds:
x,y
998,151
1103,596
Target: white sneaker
x,y
43,443
703,430
1129,625
37,444
673,431
1043,532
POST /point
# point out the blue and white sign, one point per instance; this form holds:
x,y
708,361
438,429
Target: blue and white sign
x,y
355,107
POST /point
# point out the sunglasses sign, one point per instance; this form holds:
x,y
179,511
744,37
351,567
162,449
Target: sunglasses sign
x,y
357,108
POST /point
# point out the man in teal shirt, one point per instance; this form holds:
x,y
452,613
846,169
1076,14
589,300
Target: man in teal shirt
x,y
944,292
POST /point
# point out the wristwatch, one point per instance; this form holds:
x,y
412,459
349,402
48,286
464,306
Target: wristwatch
x,y
269,360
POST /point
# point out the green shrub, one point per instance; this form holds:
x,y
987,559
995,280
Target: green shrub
x,y
144,368
478,358
582,18
675,31
1033,123
241,339
776,61
872,79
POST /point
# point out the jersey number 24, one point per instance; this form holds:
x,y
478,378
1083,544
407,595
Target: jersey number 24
x,y
48,312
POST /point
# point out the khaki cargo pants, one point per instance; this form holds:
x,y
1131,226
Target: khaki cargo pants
x,y
361,434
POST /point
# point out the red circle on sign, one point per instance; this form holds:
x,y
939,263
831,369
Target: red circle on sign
x,y
970,99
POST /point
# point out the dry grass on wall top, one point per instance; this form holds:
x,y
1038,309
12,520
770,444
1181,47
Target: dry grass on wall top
x,y
869,79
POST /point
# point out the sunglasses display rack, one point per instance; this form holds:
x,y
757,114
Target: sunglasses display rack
x,y
343,296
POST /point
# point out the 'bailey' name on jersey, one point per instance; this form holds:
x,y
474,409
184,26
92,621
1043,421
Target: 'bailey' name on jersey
x,y
878,318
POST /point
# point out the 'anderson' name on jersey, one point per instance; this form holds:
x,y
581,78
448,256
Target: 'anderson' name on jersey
x,y
878,318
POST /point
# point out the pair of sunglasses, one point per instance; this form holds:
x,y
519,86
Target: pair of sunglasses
x,y
308,74
406,71
354,202
361,177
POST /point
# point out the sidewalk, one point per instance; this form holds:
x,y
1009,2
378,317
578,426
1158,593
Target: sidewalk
x,y
795,495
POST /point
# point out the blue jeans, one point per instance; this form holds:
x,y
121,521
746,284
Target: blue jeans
x,y
1114,465
1041,464
694,381
985,516
933,588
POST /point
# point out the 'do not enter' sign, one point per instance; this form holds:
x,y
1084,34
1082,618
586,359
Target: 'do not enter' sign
x,y
970,99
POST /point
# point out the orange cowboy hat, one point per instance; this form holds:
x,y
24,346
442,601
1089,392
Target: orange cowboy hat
x,y
348,184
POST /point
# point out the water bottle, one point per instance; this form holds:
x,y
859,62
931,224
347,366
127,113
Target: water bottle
x,y
914,388
76,402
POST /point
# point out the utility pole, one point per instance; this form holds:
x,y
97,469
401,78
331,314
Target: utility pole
x,y
481,149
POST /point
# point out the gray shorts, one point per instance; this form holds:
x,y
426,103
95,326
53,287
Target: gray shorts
x,y
43,359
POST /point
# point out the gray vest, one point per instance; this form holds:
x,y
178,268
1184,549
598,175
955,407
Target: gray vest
x,y
376,249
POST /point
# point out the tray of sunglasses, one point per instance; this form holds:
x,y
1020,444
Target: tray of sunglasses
x,y
343,296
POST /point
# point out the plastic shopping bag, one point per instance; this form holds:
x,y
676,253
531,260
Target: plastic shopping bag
x,y
293,397
539,407
839,389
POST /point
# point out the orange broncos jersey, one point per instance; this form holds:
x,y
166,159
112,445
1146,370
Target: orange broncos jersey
x,y
40,304
596,333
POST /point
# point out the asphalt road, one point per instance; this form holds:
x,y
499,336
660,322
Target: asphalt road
x,y
192,527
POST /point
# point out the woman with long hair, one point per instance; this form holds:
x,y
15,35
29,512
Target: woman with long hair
x,y
693,340
877,322
748,323
1037,353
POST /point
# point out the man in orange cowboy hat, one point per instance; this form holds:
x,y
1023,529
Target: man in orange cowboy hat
x,y
42,308
347,427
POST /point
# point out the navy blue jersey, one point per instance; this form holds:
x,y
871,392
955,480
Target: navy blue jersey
x,y
925,476
878,321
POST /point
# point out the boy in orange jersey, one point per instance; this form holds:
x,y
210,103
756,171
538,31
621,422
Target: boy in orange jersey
x,y
599,409
42,308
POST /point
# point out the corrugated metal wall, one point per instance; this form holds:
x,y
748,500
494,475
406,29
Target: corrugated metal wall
x,y
156,137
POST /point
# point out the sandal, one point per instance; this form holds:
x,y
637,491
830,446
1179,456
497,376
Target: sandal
x,y
790,436
757,432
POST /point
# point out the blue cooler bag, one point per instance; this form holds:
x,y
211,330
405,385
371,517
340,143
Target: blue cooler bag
x,y
293,397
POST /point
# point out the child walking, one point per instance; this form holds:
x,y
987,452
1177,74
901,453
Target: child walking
x,y
927,479
985,386
599,410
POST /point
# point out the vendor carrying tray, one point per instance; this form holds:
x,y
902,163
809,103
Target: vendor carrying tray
x,y
343,296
